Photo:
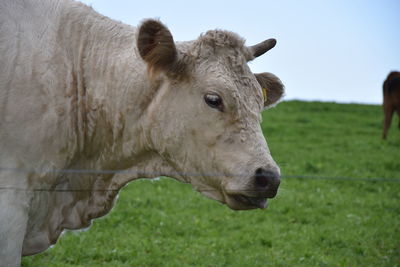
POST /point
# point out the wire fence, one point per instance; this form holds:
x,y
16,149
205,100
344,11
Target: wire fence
x,y
343,178
175,174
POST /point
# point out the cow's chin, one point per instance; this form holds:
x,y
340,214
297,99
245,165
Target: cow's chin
x,y
236,201
242,202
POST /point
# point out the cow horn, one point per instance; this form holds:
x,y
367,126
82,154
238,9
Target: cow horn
x,y
259,49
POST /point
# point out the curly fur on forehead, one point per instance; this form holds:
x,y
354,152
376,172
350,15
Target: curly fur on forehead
x,y
217,42
221,38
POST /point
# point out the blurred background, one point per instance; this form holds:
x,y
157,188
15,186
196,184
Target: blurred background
x,y
337,51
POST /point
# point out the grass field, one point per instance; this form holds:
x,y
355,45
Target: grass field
x,y
312,222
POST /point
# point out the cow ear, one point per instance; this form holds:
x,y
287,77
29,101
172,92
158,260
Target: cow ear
x,y
156,46
272,86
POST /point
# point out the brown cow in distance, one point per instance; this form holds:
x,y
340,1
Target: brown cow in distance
x,y
391,99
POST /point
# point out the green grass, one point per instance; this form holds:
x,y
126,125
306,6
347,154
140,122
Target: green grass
x,y
312,222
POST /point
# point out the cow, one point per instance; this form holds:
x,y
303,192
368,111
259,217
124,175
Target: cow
x,y
391,100
88,104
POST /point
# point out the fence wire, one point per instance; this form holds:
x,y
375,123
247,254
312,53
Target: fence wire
x,y
156,175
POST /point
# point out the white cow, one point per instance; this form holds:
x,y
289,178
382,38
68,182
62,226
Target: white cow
x,y
79,91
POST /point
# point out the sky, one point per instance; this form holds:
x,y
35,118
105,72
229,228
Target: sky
x,y
332,50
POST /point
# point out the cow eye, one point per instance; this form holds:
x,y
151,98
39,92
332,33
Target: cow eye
x,y
214,101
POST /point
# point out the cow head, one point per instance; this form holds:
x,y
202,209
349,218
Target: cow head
x,y
204,120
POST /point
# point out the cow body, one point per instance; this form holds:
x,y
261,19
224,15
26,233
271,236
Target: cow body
x,y
391,100
79,91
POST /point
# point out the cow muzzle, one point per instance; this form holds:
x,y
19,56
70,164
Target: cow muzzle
x,y
264,184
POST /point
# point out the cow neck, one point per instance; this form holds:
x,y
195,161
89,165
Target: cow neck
x,y
111,93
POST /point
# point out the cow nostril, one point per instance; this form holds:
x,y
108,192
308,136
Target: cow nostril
x,y
266,178
261,178
262,181
259,171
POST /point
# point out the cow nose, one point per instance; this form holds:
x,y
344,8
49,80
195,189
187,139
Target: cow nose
x,y
267,181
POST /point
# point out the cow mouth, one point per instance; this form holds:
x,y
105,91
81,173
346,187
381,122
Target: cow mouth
x,y
251,202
